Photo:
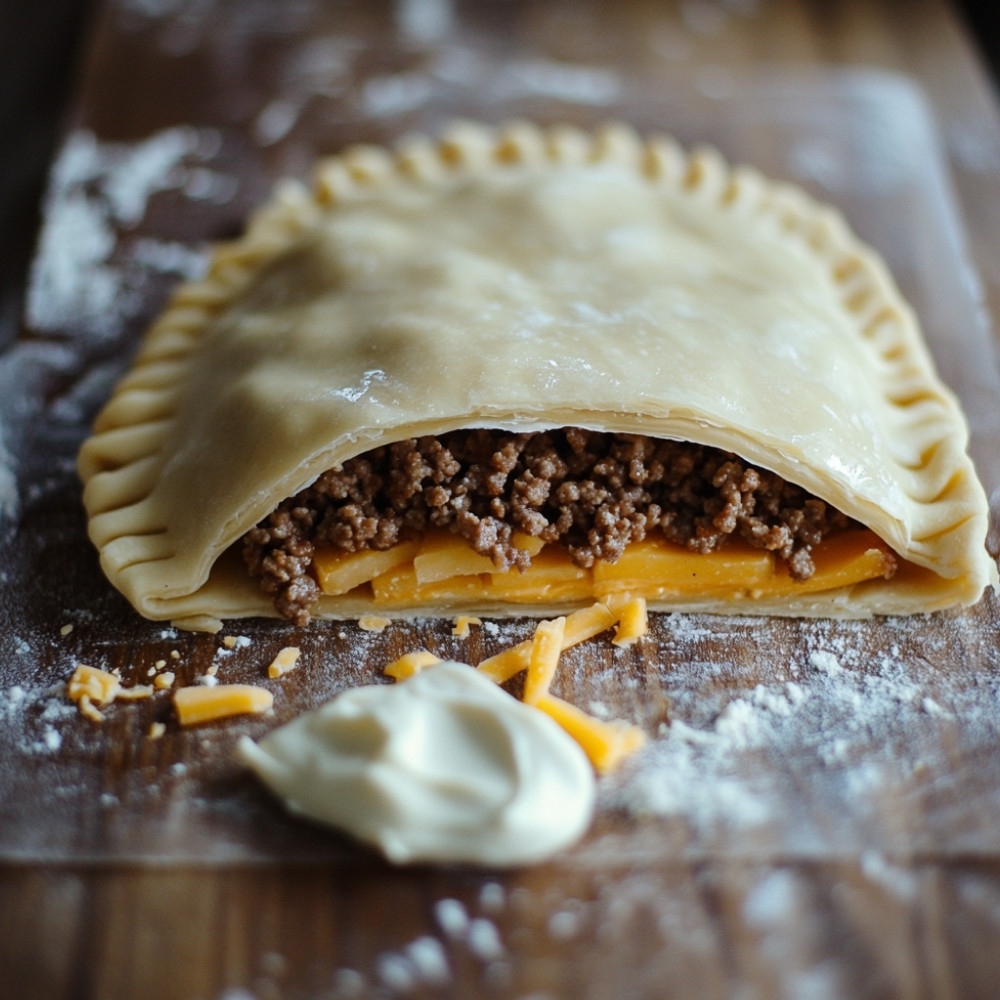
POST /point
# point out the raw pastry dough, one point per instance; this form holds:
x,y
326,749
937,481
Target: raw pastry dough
x,y
525,278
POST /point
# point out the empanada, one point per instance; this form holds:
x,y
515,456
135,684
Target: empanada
x,y
571,294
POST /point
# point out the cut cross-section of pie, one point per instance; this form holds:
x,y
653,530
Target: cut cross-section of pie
x,y
515,370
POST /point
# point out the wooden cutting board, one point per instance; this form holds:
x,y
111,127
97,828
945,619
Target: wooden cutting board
x,y
817,809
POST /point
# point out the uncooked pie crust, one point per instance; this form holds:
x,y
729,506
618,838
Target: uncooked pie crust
x,y
526,278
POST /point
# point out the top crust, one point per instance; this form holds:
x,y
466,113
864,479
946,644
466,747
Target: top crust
x,y
526,279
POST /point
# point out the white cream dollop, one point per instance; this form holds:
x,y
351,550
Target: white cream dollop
x,y
443,767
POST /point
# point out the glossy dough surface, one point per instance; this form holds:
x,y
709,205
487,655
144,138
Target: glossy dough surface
x,y
530,279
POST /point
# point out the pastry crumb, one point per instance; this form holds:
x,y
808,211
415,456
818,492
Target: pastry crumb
x,y
372,623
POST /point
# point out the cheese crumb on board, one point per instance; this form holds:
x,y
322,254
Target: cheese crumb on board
x,y
162,681
135,693
206,704
88,710
606,743
372,623
410,663
156,730
287,659
546,645
66,629
462,623
98,686
633,622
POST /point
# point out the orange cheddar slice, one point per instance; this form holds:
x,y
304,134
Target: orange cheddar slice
x,y
444,555
844,559
337,571
400,587
531,544
552,576
444,568
658,568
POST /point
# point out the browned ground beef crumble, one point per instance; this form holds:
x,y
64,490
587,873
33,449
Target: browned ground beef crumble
x,y
592,493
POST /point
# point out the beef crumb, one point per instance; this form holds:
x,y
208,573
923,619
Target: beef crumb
x,y
592,493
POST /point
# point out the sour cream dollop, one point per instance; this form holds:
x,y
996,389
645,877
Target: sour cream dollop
x,y
444,767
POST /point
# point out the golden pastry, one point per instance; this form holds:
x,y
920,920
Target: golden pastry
x,y
453,354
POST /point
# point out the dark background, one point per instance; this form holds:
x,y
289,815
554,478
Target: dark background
x,y
40,43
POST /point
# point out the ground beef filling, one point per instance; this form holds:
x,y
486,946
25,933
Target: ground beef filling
x,y
590,492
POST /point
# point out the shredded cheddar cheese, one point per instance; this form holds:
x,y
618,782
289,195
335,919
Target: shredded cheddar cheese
x,y
633,622
135,693
87,709
462,623
287,659
444,567
606,743
206,704
546,645
580,626
99,687
410,663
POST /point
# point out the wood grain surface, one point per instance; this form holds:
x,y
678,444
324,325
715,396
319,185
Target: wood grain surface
x,y
818,814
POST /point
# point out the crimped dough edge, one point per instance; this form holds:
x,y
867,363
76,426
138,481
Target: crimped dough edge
x,y
122,462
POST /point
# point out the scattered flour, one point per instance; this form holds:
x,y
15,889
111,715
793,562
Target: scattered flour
x,y
452,918
569,82
81,281
9,498
423,22
383,96
848,725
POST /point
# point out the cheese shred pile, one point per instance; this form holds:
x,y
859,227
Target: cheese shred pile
x,y
606,742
